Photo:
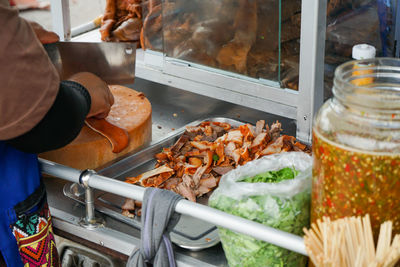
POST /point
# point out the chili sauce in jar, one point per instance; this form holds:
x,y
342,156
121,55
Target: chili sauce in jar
x,y
356,146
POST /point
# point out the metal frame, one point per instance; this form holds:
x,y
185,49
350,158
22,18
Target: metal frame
x,y
268,234
396,11
110,238
61,19
218,84
312,54
90,221
237,89
241,90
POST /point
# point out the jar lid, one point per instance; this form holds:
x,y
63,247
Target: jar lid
x,y
363,51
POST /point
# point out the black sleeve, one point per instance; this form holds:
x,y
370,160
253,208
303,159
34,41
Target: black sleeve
x,y
61,124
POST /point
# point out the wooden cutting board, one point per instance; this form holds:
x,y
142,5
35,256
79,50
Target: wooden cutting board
x,y
90,150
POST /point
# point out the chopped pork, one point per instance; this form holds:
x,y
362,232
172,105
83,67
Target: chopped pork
x,y
193,166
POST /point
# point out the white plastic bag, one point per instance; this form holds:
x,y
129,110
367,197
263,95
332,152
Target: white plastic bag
x,y
284,205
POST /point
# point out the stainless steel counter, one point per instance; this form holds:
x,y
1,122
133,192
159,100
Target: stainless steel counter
x,y
172,109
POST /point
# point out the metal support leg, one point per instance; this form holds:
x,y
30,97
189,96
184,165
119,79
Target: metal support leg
x,y
312,54
61,19
89,221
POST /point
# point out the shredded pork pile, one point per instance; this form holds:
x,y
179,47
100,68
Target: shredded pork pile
x,y
194,165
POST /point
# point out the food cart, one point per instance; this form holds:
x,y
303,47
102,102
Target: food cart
x,y
182,92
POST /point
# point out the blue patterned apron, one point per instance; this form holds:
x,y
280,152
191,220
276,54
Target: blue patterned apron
x,y
26,237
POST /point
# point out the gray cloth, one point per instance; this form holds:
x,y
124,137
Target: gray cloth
x,y
158,219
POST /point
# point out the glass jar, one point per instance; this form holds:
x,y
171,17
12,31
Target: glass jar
x,y
356,144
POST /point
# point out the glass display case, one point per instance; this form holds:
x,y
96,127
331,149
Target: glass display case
x,y
242,51
257,39
265,54
240,36
260,39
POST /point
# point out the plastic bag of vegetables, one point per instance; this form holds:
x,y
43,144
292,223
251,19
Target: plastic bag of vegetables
x,y
275,191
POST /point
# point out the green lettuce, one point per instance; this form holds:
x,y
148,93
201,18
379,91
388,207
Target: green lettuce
x,y
286,214
272,176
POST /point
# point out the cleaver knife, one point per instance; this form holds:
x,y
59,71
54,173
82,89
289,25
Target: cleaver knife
x,y
112,62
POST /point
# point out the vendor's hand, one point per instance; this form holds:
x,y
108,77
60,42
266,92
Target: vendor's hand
x,y
44,36
101,96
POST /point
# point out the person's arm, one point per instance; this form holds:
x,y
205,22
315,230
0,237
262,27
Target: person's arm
x,y
44,36
83,95
61,124
38,113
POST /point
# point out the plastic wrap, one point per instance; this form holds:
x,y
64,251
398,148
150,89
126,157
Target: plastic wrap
x,y
284,205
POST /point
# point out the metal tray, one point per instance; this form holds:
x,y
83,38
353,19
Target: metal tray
x,y
189,233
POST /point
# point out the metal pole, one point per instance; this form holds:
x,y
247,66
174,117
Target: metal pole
x,y
268,234
60,171
88,26
90,220
202,212
61,18
312,54
89,203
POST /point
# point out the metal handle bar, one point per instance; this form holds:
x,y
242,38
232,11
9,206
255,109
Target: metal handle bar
x,y
268,234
